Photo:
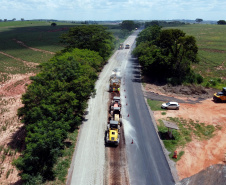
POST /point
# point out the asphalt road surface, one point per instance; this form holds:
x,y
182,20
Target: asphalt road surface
x,y
146,160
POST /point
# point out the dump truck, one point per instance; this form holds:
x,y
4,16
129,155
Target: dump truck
x,y
220,96
116,102
115,110
116,115
112,133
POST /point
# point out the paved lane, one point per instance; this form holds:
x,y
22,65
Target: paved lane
x,y
146,160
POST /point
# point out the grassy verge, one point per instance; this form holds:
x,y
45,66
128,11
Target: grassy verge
x,y
155,105
188,130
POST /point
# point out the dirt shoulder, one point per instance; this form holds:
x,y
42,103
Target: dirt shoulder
x,y
196,105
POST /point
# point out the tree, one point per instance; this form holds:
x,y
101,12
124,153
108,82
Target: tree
x,y
53,24
221,22
54,104
92,37
179,49
150,34
152,23
128,25
166,53
198,20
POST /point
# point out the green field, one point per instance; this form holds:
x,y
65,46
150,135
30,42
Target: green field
x,y
211,41
36,34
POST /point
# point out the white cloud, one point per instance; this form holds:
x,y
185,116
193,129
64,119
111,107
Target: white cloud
x,y
113,9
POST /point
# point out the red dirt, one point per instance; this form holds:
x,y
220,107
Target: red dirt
x,y
10,127
12,131
200,154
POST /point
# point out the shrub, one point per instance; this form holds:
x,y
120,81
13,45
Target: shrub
x,y
199,78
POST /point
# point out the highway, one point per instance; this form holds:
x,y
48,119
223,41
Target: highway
x,y
146,160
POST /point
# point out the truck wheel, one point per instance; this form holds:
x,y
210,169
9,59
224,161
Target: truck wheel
x,y
218,100
120,121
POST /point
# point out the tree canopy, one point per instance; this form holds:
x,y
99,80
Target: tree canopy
x,y
150,34
128,25
198,20
165,54
92,37
223,22
54,104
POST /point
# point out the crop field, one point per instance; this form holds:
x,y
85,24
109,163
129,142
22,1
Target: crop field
x,y
211,41
25,43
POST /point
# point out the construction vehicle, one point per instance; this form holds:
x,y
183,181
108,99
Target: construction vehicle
x,y
220,96
116,102
127,46
115,82
121,46
112,133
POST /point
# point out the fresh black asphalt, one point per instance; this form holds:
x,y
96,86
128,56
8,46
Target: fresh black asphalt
x,y
146,160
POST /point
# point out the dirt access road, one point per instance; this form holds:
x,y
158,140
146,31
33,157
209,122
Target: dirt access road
x,y
198,154
89,164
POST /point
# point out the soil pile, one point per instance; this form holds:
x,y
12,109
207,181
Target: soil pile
x,y
215,174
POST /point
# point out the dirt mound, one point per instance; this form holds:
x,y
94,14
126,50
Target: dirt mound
x,y
215,174
190,91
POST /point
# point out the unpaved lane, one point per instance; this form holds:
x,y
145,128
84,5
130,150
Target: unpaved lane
x,y
89,161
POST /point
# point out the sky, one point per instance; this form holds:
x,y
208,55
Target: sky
x,y
100,10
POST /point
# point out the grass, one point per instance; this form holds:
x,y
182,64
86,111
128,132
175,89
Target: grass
x,y
188,130
211,41
155,105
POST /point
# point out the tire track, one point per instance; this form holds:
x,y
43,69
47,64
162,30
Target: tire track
x,y
34,49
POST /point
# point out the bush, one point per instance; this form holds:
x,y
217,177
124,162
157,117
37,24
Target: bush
x,y
199,78
213,82
207,84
